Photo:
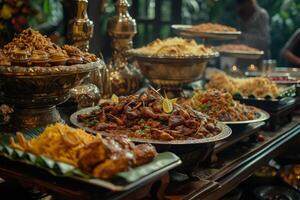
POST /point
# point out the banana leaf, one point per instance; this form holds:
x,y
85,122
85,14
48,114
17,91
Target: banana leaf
x,y
121,181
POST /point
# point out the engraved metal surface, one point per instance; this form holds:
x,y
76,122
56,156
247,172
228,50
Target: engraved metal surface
x,y
35,91
171,71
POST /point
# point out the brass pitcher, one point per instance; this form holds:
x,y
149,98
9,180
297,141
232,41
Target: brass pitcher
x,y
124,77
80,28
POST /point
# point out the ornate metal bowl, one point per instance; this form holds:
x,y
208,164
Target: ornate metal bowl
x,y
35,91
171,72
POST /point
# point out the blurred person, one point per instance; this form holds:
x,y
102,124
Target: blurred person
x,y
291,50
254,24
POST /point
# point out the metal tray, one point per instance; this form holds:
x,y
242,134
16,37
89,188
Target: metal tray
x,y
242,54
269,105
262,116
226,132
123,181
185,30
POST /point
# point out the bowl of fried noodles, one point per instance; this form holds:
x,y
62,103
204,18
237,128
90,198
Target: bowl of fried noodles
x,y
172,62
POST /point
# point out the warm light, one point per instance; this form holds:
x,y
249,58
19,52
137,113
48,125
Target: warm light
x,y
234,68
252,68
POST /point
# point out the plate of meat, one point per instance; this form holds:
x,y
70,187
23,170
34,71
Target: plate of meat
x,y
71,156
150,118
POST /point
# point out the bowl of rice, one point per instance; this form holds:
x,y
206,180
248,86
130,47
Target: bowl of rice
x,y
173,61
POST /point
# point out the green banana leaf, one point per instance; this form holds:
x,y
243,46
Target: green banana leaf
x,y
161,164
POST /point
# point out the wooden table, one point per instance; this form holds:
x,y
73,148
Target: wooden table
x,y
234,165
234,161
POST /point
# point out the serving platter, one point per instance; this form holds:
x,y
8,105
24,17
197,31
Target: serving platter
x,y
34,92
122,181
262,116
226,132
241,54
185,30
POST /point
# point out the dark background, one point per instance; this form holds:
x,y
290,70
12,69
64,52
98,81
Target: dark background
x,y
153,17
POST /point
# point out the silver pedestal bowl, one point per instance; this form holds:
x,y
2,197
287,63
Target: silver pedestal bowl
x,y
171,73
35,91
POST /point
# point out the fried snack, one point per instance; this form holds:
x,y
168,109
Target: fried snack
x,y
174,47
260,87
145,116
59,142
74,52
101,157
32,41
211,27
222,82
221,106
237,48
4,60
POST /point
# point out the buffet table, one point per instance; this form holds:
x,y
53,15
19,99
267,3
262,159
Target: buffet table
x,y
236,165
233,161
170,141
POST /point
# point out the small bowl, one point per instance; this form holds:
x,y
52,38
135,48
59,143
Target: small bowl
x,y
39,58
20,58
4,61
58,58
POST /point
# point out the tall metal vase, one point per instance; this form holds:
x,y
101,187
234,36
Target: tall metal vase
x,y
81,28
124,77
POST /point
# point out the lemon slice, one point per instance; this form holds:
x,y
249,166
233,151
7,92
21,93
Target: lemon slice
x,y
167,105
174,100
115,98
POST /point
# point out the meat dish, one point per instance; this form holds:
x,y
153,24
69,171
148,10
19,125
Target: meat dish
x,y
222,106
150,116
100,157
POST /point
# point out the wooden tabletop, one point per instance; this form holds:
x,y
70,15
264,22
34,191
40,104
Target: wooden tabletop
x,y
232,162
234,165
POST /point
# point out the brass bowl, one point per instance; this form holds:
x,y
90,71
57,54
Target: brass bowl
x,y
170,71
35,91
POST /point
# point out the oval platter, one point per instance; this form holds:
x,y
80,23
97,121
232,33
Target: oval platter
x,y
226,132
262,116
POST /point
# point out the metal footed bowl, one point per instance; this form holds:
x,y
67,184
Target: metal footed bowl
x,y
170,71
35,91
